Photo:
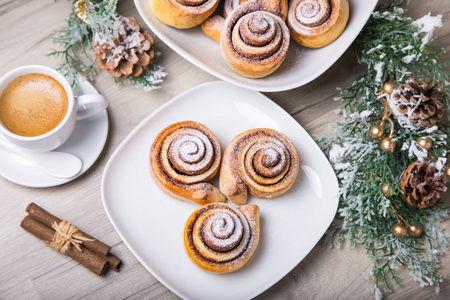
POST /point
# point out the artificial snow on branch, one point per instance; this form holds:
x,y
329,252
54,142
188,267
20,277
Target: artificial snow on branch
x,y
373,210
120,46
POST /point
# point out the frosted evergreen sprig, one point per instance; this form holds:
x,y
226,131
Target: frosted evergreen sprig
x,y
393,47
103,18
76,48
151,76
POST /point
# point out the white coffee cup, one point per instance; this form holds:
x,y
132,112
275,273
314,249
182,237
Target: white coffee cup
x,y
79,107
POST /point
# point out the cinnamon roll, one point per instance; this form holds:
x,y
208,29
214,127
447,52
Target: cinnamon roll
x,y
183,157
261,161
213,26
221,238
229,6
254,42
277,7
183,13
317,23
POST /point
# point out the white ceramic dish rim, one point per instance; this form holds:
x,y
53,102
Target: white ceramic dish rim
x,y
143,123
185,54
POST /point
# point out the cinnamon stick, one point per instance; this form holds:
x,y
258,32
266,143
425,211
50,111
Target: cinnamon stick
x,y
87,258
41,215
47,219
113,261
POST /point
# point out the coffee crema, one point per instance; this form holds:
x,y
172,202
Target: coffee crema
x,y
33,104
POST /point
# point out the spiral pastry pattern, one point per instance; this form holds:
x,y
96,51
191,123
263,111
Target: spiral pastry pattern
x,y
317,23
183,13
277,7
182,158
221,238
261,161
254,42
229,6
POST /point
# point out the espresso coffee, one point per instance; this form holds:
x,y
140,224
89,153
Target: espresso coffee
x,y
33,104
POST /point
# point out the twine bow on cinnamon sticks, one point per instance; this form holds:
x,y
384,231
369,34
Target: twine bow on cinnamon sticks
x,y
65,236
68,239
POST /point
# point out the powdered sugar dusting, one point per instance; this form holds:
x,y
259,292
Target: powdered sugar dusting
x,y
218,220
312,13
229,6
270,157
223,231
243,165
265,46
176,174
191,153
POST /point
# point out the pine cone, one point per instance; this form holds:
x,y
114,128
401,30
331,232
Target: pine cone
x,y
128,54
417,103
422,184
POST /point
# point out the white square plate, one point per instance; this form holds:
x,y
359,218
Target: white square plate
x,y
151,223
301,65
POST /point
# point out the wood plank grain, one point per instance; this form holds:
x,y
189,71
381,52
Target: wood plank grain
x,y
32,270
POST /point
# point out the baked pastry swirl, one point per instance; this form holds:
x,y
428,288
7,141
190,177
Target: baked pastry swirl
x,y
183,157
254,42
277,7
229,6
262,161
221,238
212,26
317,23
183,13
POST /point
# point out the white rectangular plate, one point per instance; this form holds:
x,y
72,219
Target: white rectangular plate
x,y
151,223
301,65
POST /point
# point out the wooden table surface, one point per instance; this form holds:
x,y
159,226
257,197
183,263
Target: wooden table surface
x,y
32,270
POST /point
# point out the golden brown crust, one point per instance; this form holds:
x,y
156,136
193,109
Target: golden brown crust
x,y
277,7
183,13
183,157
317,23
229,6
213,26
221,238
254,42
262,161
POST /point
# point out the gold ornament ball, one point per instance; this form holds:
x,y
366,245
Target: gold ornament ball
x,y
447,172
80,9
377,131
388,145
400,230
389,86
415,230
387,190
425,143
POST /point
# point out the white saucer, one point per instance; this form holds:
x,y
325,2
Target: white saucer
x,y
86,142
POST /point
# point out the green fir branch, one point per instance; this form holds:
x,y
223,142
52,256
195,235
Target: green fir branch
x,y
73,43
75,47
393,47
